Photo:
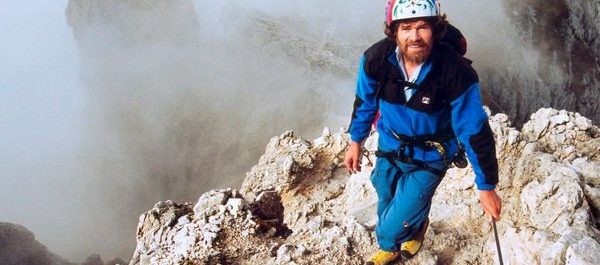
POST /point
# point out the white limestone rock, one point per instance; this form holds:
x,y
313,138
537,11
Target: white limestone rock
x,y
583,123
277,169
590,171
211,199
559,119
361,198
584,252
300,206
555,197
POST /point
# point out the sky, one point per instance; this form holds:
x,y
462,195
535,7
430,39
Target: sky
x,y
41,106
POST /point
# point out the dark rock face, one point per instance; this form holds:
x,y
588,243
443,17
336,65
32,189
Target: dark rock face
x,y
116,261
19,247
94,259
565,69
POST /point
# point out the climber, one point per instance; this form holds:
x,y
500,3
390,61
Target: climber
x,y
430,105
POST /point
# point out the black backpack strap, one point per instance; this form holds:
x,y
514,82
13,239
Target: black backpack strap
x,y
376,62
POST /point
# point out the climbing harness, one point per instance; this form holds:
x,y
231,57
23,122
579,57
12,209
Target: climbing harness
x,y
426,142
367,154
396,156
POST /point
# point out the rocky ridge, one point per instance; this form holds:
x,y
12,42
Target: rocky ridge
x,y
299,205
18,246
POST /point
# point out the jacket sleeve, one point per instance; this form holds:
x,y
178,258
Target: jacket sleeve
x,y
471,126
365,105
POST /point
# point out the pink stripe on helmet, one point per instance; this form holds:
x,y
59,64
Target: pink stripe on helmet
x,y
389,9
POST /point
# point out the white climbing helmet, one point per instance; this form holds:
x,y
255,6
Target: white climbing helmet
x,y
409,9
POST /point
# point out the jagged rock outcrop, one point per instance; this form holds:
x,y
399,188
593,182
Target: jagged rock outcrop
x,y
19,247
298,205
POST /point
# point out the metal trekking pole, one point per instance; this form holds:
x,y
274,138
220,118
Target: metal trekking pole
x,y
497,241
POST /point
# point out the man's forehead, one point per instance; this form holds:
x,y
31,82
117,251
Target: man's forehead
x,y
414,22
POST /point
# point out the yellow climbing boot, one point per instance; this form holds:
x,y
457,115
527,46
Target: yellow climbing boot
x,y
382,257
410,248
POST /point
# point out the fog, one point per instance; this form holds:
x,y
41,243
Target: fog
x,y
42,178
187,105
110,106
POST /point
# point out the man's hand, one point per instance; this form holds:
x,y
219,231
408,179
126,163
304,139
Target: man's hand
x,y
352,159
490,203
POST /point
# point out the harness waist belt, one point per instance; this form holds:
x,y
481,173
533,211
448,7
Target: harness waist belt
x,y
392,156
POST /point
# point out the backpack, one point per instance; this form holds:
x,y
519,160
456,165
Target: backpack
x,y
455,39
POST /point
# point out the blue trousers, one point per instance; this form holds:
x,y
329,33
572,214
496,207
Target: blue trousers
x,y
404,193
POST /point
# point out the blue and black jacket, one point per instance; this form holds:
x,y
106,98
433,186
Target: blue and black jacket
x,y
447,99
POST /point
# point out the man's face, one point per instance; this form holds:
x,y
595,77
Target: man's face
x,y
415,39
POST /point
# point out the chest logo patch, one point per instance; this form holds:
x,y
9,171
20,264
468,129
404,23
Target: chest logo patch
x,y
426,100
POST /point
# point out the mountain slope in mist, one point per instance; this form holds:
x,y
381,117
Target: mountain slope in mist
x,y
321,53
553,60
18,246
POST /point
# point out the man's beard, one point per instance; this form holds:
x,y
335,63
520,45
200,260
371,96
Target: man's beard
x,y
415,56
